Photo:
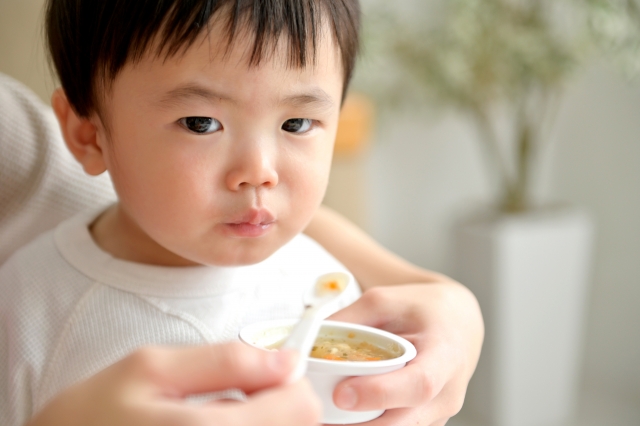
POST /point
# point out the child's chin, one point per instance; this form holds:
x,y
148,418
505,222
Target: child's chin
x,y
245,258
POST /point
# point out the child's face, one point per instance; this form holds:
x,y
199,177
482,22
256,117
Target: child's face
x,y
251,180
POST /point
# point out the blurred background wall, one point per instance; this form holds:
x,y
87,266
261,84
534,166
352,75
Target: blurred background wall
x,y
423,170
426,171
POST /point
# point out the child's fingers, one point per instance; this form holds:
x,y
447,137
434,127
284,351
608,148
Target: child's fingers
x,y
178,372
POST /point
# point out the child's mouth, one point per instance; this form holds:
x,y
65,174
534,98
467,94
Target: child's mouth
x,y
254,223
249,230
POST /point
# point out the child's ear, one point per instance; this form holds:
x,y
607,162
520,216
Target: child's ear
x,y
80,135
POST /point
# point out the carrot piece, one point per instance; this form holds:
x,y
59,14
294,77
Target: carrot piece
x,y
332,357
331,285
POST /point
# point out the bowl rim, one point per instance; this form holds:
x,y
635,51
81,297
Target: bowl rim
x,y
409,349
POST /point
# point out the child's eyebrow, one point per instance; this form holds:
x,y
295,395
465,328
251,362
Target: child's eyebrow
x,y
190,91
315,97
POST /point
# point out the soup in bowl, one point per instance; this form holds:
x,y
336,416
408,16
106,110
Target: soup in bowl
x,y
341,350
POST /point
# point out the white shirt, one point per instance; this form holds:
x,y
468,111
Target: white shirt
x,y
70,309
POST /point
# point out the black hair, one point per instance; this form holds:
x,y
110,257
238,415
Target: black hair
x,y
89,41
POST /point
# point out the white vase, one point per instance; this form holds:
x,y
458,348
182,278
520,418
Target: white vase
x,y
530,274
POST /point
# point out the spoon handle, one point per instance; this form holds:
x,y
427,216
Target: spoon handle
x,y
303,336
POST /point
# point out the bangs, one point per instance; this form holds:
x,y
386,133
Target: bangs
x,y
95,39
266,22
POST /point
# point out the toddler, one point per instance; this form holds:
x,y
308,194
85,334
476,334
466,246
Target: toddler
x,y
215,121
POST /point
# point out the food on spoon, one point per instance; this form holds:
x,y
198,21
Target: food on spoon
x,y
328,286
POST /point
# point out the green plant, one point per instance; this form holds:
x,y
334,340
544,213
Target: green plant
x,y
500,58
615,27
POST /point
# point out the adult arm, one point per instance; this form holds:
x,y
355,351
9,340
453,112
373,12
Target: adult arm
x,y
40,182
149,387
438,315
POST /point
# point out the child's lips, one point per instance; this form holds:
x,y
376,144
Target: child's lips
x,y
254,223
249,230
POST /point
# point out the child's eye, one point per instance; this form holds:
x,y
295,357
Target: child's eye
x,y
200,125
297,125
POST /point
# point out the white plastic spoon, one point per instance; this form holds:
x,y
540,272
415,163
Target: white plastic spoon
x,y
320,302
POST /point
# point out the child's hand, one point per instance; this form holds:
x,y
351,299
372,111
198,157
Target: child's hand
x,y
148,388
443,321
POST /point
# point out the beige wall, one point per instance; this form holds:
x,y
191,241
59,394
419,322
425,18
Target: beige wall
x,y
21,44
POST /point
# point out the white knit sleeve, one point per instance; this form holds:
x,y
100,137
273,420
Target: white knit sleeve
x,y
41,184
17,373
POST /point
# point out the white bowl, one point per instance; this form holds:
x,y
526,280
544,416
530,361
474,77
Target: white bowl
x,y
324,375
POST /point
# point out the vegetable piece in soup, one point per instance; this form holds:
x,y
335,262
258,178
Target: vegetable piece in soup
x,y
343,350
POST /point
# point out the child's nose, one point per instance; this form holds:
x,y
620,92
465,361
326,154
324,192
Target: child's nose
x,y
253,166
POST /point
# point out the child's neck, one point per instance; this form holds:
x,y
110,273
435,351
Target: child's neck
x,y
117,234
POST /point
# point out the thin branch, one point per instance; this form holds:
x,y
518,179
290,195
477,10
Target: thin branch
x,y
550,104
525,150
490,142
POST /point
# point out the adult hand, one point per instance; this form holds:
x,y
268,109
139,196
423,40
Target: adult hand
x,y
439,316
149,387
442,321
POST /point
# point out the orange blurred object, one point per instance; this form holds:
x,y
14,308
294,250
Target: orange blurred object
x,y
355,125
332,285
